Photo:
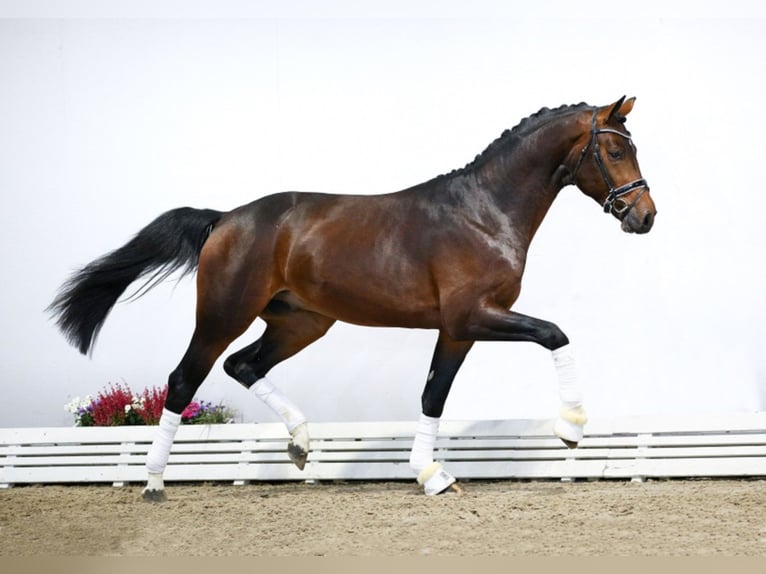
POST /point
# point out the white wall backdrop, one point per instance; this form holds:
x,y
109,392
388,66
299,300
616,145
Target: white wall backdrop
x,y
105,123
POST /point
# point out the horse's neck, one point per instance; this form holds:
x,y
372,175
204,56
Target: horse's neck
x,y
524,183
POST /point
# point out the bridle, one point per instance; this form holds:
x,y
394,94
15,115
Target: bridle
x,y
614,193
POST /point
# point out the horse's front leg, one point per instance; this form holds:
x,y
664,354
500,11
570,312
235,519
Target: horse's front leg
x,y
447,359
570,424
490,322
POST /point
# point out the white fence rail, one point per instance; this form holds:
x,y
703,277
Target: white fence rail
x,y
626,448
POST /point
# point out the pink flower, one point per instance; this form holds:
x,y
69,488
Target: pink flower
x,y
191,411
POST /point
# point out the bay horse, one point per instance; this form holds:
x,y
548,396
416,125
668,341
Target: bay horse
x,y
447,254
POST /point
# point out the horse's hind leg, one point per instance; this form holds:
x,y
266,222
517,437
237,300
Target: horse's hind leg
x,y
183,382
447,359
288,330
218,322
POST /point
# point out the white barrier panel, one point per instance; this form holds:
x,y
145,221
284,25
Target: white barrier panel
x,y
626,448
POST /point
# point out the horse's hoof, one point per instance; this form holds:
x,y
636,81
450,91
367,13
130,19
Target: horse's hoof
x,y
298,448
297,455
569,426
435,480
570,434
152,495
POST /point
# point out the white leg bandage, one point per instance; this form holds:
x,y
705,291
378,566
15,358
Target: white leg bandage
x,y
157,457
422,454
569,425
431,476
291,415
566,369
288,411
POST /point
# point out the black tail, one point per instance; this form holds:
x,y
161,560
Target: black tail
x,y
170,242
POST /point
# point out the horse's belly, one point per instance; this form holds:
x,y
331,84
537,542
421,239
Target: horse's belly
x,y
371,306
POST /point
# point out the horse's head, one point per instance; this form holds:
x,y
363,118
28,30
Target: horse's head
x,y
606,168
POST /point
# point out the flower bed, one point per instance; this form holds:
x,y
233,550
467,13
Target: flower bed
x,y
117,405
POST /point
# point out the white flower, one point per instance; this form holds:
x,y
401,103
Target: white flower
x,y
128,408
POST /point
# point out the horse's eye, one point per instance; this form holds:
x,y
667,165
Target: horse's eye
x,y
616,154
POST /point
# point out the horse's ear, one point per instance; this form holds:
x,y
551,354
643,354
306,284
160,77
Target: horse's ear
x,y
627,106
620,109
615,110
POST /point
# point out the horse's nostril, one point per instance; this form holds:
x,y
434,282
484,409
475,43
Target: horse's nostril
x,y
648,220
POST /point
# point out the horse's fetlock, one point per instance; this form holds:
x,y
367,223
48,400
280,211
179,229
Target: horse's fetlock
x,y
553,337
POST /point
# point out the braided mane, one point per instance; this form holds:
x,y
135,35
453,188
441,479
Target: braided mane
x,y
510,138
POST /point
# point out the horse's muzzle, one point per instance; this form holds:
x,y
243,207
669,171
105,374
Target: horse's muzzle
x,y
639,220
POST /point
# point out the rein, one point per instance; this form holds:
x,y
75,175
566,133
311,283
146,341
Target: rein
x,y
614,193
